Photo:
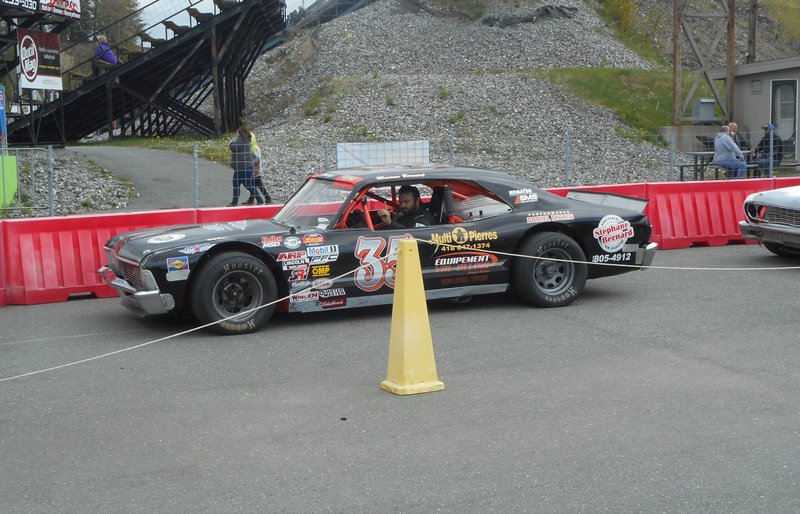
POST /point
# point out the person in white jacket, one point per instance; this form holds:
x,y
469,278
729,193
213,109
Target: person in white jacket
x,y
728,155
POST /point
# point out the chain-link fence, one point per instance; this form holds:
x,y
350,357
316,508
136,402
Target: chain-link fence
x,y
26,181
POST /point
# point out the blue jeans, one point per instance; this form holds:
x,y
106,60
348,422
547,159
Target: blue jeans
x,y
763,166
244,177
734,168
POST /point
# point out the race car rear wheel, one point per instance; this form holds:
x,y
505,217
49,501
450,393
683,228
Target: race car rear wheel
x,y
549,283
230,285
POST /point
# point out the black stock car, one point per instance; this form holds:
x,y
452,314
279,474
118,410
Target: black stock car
x,y
330,227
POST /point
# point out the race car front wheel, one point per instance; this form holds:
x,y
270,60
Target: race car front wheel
x,y
556,273
231,289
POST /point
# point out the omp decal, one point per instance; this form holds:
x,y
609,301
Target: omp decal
x,y
165,238
612,232
321,271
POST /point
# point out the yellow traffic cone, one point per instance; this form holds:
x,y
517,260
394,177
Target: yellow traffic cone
x,y
412,368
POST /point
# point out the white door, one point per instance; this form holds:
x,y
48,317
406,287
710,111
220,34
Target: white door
x,y
784,114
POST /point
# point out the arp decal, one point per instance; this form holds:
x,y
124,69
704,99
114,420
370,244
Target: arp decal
x,y
165,238
543,216
177,263
469,262
612,233
288,256
376,272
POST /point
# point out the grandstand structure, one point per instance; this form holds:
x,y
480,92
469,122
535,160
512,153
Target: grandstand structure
x,y
192,78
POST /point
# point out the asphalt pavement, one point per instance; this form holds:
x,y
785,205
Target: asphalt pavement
x,y
656,391
163,179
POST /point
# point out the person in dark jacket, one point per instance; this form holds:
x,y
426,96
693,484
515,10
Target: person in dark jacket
x,y
412,214
761,151
242,162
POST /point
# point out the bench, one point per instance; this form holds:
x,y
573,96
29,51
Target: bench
x,y
200,17
175,28
154,41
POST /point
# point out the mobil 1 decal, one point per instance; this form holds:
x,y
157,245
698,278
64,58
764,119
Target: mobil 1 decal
x,y
377,260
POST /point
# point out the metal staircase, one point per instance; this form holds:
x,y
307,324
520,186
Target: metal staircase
x,y
160,88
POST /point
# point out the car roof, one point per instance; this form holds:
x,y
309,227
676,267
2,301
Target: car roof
x,y
394,173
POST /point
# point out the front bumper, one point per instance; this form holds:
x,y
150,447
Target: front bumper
x,y
143,303
644,256
766,233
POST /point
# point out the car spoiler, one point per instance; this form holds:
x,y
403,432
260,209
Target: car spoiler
x,y
630,203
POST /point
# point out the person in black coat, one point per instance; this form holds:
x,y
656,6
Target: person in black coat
x,y
761,152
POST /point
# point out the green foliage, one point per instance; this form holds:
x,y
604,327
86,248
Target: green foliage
x,y
633,30
492,109
443,92
359,133
390,100
472,9
787,14
455,118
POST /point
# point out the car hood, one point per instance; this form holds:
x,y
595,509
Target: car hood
x,y
786,197
188,239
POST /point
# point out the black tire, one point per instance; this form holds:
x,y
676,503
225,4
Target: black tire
x,y
230,283
781,250
546,283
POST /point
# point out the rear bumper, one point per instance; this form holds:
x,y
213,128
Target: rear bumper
x,y
142,303
764,233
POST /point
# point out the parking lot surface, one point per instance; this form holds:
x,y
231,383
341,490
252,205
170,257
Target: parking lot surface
x,y
659,391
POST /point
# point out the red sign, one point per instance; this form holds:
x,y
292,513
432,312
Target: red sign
x,y
39,60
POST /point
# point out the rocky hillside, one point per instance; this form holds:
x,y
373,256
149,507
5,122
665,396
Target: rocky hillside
x,y
395,71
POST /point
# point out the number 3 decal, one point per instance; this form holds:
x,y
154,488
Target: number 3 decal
x,y
376,268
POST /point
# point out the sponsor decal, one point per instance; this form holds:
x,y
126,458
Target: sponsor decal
x,y
299,274
322,223
462,237
238,225
217,227
348,179
465,280
271,241
191,250
300,285
313,239
297,264
542,216
331,303
321,271
321,283
465,261
403,175
318,251
292,242
612,233
331,293
525,199
305,296
165,238
517,192
288,256
177,263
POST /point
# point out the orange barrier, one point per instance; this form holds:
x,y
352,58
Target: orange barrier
x,y
48,259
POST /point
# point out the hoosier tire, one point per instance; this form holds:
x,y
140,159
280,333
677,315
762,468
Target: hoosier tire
x,y
231,284
549,283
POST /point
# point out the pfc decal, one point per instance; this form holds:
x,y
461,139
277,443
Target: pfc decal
x,y
313,239
165,238
191,250
612,233
469,262
322,283
271,241
305,296
542,216
331,303
177,263
289,256
331,293
292,242
321,271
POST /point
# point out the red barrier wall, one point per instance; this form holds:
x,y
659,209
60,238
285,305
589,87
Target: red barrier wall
x,y
222,214
47,259
639,190
3,297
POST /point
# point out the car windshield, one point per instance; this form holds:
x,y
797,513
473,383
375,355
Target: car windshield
x,y
315,204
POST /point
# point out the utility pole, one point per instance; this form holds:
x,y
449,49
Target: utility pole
x,y
751,34
677,8
731,55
